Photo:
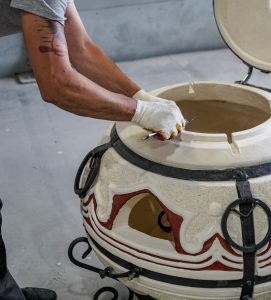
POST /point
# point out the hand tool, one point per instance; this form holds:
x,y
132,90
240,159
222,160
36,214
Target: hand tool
x,y
153,134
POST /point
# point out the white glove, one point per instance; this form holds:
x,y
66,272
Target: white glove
x,y
164,118
144,96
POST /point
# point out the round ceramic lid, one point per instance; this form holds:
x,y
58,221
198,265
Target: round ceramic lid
x,y
245,26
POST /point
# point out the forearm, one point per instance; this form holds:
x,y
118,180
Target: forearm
x,y
77,94
93,63
60,83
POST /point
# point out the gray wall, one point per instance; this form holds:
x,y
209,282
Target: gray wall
x,y
132,29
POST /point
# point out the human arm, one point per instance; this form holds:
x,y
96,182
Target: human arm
x,y
64,86
91,61
60,83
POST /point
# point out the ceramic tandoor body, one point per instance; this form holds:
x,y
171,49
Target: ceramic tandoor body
x,y
192,215
160,206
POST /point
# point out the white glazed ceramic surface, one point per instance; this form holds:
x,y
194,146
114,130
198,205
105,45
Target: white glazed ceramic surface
x,y
244,25
197,249
194,150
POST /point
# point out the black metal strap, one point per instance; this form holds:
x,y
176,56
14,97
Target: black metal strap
x,y
94,159
185,174
176,280
143,297
246,208
109,272
246,204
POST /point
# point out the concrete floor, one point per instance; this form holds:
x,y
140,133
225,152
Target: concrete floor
x,y
41,148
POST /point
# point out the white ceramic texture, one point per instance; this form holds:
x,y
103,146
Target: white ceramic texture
x,y
201,150
244,25
200,205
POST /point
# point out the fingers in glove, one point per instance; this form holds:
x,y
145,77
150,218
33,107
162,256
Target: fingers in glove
x,y
174,134
179,127
162,136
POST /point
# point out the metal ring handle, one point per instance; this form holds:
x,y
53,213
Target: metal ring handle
x,y
160,223
81,191
231,209
94,159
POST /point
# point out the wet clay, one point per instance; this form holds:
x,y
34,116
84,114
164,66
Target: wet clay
x,y
213,116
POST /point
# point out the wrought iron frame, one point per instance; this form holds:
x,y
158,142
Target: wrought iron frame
x,y
107,272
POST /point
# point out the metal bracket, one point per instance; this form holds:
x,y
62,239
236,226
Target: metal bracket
x,y
248,76
109,272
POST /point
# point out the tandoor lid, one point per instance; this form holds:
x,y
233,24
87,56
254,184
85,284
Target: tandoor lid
x,y
245,26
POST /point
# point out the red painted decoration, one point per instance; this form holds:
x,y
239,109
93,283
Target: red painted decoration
x,y
175,221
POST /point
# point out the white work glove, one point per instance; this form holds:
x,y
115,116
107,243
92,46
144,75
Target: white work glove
x,y
144,96
165,118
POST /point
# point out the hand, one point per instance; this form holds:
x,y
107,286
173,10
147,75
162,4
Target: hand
x,y
164,118
144,96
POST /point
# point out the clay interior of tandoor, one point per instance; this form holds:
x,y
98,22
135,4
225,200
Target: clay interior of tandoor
x,y
219,108
149,209
216,116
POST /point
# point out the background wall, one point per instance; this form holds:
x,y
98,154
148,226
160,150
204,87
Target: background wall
x,y
132,29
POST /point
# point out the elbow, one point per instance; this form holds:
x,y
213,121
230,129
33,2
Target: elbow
x,y
52,90
46,96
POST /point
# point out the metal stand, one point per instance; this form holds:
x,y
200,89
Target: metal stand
x,y
107,272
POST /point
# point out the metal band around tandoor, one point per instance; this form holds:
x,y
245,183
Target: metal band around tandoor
x,y
185,174
175,280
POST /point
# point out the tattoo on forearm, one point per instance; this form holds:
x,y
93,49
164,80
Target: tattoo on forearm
x,y
53,38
